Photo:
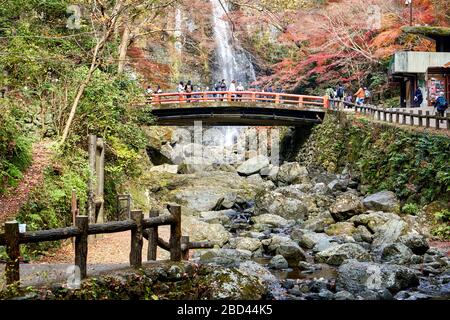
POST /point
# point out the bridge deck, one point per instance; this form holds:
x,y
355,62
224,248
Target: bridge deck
x,y
237,108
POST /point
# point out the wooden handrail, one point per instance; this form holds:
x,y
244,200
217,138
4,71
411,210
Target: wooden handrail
x,y
381,114
240,96
140,228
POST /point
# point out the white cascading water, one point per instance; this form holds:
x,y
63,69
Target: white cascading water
x,y
177,32
232,62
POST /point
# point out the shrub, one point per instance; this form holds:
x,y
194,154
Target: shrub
x,y
410,208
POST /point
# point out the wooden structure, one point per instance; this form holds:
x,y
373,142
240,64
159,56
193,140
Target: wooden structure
x,y
96,206
293,100
227,108
400,116
139,226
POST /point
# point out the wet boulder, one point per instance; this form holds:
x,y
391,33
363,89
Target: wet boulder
x,y
416,242
290,172
271,220
336,255
316,241
338,185
253,165
225,257
292,252
274,202
346,206
383,201
356,277
319,222
202,231
396,253
222,216
340,228
278,262
245,243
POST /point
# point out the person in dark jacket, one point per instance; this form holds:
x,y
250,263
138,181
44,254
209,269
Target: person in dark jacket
x,y
418,97
441,105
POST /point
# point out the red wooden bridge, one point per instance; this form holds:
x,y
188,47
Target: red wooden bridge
x,y
237,108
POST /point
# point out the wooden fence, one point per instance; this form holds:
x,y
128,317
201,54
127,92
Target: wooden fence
x,y
399,116
139,226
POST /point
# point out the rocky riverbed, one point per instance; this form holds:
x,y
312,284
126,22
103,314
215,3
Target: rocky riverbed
x,y
305,233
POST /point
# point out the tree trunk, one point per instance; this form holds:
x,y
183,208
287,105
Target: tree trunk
x,y
123,47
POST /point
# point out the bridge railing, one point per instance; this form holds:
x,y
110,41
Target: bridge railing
x,y
140,228
299,101
396,115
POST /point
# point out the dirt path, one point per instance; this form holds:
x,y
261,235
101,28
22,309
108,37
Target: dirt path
x,y
110,248
14,199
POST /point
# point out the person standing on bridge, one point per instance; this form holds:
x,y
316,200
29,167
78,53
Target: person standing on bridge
x,y
222,87
331,95
339,95
360,95
441,105
180,88
240,87
418,97
188,89
232,89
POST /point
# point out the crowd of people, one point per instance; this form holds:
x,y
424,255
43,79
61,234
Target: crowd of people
x,y
189,90
339,93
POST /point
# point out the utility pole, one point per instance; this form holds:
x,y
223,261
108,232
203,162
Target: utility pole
x,y
409,2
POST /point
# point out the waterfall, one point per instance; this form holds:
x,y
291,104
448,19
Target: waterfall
x,y
178,33
232,62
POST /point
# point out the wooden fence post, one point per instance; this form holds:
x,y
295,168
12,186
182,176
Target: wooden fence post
x,y
300,101
384,115
411,117
175,233
437,120
185,244
427,119
404,118
420,118
390,116
92,178
136,239
13,251
100,170
81,244
152,237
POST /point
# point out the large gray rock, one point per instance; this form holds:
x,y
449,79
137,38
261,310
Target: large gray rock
x,y
338,185
396,253
389,232
253,165
383,200
316,241
271,220
225,257
341,228
245,243
416,242
274,202
290,172
335,255
374,220
356,277
202,231
346,206
221,216
291,252
319,222
284,246
278,262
